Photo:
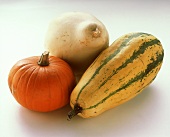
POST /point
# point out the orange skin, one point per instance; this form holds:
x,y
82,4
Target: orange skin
x,y
41,88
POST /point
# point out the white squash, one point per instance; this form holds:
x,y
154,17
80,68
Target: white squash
x,y
77,38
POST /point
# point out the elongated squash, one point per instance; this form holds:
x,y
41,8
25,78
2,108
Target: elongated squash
x,y
118,74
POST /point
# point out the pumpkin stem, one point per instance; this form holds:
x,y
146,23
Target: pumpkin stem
x,y
44,59
77,109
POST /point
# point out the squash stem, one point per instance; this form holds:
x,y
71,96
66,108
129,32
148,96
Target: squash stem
x,y
77,109
44,59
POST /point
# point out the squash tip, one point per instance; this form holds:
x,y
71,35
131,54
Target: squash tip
x,y
77,109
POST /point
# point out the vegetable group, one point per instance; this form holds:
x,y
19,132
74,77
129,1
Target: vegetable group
x,y
77,38
118,74
41,83
83,69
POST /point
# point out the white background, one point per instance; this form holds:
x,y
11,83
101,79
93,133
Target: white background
x,y
23,25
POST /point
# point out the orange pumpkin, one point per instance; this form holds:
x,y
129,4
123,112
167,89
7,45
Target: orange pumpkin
x,y
42,86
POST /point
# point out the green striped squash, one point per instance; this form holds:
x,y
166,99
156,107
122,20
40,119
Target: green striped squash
x,y
118,74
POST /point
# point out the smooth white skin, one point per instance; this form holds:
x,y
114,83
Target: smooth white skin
x,y
77,38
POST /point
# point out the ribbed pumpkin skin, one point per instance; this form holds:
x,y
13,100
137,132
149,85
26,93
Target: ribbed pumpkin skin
x,y
41,88
118,74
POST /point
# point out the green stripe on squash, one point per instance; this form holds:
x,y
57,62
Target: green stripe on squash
x,y
150,67
124,43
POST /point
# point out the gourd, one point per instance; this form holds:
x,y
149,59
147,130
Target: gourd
x,y
41,83
77,38
117,75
